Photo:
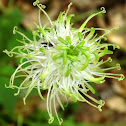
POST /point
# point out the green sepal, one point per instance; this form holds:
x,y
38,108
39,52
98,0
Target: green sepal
x,y
60,17
86,61
82,27
98,80
96,55
30,55
43,75
42,50
62,40
73,97
105,51
80,35
96,92
68,39
84,48
57,56
68,72
67,92
68,19
90,35
43,87
40,29
64,57
81,43
90,88
74,58
62,47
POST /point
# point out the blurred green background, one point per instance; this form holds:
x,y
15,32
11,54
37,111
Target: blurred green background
x,y
21,13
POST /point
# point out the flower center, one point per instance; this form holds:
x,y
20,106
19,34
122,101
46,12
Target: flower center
x,y
73,51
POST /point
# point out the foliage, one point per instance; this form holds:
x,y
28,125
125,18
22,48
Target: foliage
x,y
8,20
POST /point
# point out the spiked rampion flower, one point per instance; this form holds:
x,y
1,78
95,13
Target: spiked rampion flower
x,y
63,60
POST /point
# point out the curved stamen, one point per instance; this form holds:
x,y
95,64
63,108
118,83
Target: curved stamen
x,y
42,7
93,15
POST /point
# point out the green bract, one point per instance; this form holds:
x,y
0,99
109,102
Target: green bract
x,y
64,61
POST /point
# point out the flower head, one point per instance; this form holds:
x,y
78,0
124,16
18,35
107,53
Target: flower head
x,y
63,60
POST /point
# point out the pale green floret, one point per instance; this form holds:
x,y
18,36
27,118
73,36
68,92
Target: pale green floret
x,y
64,60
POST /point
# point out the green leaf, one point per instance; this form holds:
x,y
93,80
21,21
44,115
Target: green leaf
x,y
7,97
6,69
7,21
